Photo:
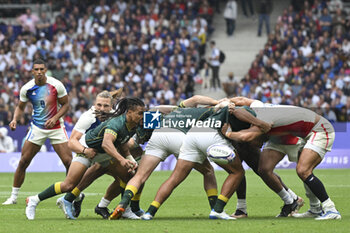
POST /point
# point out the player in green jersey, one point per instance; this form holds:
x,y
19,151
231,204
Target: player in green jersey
x,y
106,138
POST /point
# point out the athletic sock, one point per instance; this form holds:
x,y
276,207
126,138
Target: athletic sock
x,y
135,202
315,204
294,196
51,191
328,205
129,193
242,189
122,186
316,187
212,197
153,208
104,203
242,205
72,195
14,193
285,196
220,203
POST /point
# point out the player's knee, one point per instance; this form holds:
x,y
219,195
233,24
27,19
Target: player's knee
x,y
67,186
23,164
264,171
303,172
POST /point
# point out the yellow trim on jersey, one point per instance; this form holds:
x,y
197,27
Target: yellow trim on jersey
x,y
155,204
182,105
132,188
223,198
137,197
212,192
110,131
122,184
75,191
58,188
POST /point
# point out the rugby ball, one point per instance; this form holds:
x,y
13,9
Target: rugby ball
x,y
221,154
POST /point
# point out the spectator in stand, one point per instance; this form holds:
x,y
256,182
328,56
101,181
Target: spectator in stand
x,y
205,74
28,20
244,7
230,15
215,64
6,142
229,85
264,11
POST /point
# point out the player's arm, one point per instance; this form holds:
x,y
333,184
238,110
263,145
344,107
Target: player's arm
x,y
241,101
196,100
74,145
244,115
165,109
125,150
246,135
108,146
18,113
63,101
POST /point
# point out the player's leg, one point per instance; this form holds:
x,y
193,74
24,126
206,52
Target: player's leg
x,y
91,174
181,171
29,150
234,178
308,160
112,192
75,173
64,153
268,161
209,178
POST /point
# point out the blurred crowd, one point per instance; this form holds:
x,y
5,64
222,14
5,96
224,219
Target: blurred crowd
x,y
305,61
151,48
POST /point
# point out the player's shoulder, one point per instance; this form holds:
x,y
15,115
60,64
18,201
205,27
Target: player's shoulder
x,y
28,85
53,81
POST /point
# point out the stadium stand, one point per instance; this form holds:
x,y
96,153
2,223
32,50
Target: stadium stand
x,y
305,61
154,49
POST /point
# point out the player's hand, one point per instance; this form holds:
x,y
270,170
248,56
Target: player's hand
x,y
90,153
128,164
50,123
265,127
223,99
224,129
13,125
231,107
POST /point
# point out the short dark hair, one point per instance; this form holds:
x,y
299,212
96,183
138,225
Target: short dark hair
x,y
212,42
39,61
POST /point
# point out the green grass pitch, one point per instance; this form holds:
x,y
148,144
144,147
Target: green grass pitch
x,y
186,210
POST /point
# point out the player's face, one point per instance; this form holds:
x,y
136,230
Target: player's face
x,y
38,72
136,114
103,104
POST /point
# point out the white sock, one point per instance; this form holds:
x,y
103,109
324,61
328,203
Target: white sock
x,y
285,196
328,205
242,205
103,203
36,198
14,193
294,196
315,204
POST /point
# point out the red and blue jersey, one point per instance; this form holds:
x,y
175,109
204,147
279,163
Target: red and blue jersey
x,y
44,100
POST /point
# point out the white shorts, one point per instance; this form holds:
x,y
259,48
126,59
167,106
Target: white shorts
x,y
321,137
291,150
164,142
195,144
102,158
38,136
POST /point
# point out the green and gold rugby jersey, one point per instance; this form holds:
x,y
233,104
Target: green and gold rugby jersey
x,y
224,116
184,119
116,126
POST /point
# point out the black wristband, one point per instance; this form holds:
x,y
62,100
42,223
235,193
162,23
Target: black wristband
x,y
84,150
